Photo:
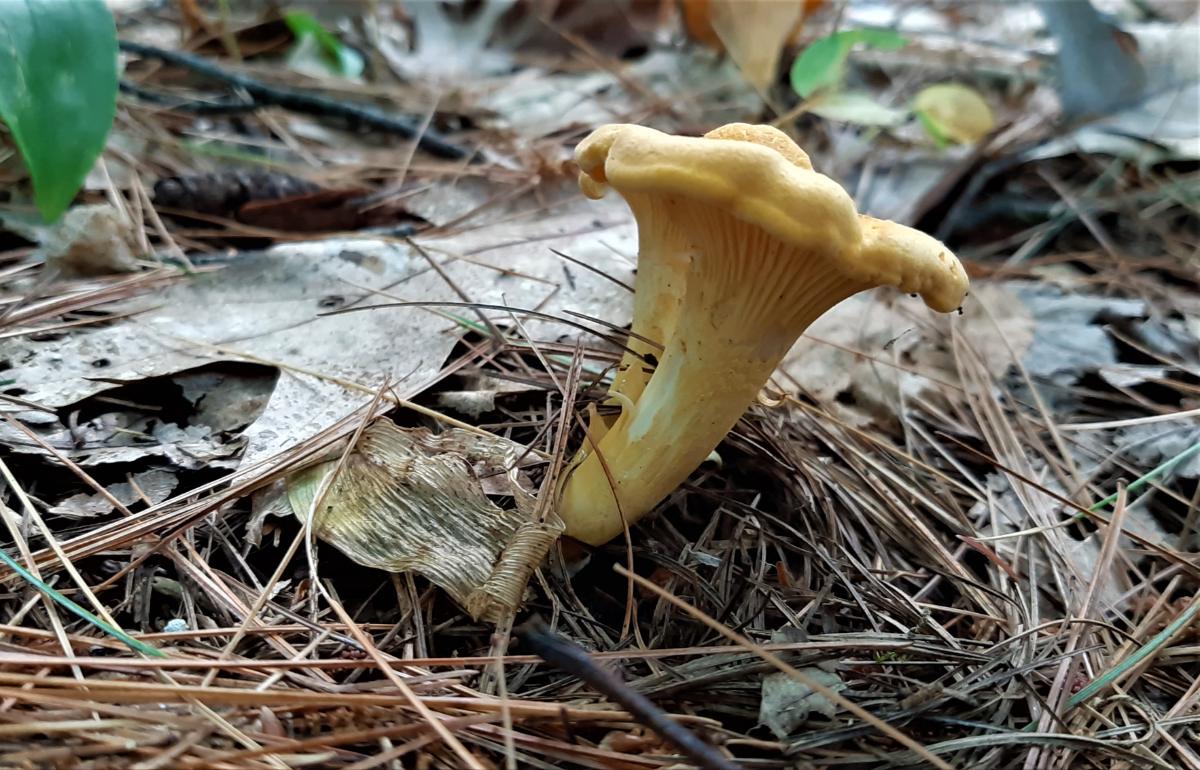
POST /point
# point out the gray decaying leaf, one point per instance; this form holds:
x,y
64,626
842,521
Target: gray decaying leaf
x,y
1070,340
208,408
536,103
1097,74
156,485
472,403
409,500
1015,506
1149,73
860,356
267,307
449,42
786,703
1151,444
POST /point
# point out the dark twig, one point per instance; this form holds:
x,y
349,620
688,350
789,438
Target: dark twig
x,y
574,660
303,101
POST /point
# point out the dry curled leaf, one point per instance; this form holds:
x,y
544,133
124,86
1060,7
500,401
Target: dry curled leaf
x,y
89,240
755,32
408,500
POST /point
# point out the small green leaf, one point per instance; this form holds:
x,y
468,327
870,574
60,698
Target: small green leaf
x,y
340,58
818,66
58,90
883,39
855,107
822,64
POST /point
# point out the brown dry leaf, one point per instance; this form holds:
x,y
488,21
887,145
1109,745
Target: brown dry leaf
x,y
408,500
754,32
89,240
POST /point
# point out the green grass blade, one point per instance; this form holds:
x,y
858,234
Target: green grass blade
x,y
70,606
1143,652
1153,474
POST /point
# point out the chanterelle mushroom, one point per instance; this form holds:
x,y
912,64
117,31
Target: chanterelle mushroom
x,y
767,245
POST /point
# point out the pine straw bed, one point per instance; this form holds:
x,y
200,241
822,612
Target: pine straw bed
x,y
866,545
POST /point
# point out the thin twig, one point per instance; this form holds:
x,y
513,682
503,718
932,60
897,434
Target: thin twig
x,y
306,102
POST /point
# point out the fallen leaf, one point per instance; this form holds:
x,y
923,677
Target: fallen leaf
x,y
855,107
858,357
787,703
954,112
156,485
754,32
1157,121
1096,73
536,103
1151,444
88,240
1084,556
1069,337
450,40
822,64
407,500
318,51
267,308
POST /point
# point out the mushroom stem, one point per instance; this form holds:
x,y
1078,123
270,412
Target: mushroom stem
x,y
663,256
749,298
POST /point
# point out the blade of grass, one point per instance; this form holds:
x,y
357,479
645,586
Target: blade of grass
x,y
75,609
1141,654
1153,474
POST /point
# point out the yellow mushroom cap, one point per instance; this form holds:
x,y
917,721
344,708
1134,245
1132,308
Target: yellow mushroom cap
x,y
761,177
766,136
913,262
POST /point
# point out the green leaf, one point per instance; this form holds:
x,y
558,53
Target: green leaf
x,y
822,64
855,107
883,39
58,90
340,58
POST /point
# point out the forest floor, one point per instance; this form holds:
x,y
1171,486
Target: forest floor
x,y
967,540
